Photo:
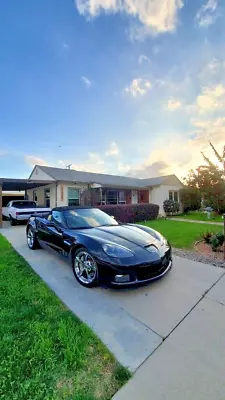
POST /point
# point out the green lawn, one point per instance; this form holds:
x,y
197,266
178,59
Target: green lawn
x,y
181,234
199,216
46,352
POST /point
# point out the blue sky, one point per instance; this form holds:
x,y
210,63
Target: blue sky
x,y
117,86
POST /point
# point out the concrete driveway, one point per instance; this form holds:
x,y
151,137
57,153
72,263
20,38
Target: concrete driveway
x,y
180,316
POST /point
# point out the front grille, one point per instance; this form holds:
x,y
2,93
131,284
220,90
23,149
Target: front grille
x,y
153,270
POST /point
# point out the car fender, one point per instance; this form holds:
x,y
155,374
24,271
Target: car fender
x,y
93,246
31,223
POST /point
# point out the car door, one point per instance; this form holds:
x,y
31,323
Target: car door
x,y
53,235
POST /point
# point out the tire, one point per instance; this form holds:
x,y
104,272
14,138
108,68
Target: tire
x,y
12,221
87,275
32,240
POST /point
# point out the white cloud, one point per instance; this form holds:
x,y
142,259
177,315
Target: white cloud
x,y
155,16
173,105
213,71
113,150
207,14
211,99
93,163
143,58
33,160
138,87
86,81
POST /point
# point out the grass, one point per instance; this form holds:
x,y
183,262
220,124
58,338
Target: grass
x,y
181,234
200,216
46,352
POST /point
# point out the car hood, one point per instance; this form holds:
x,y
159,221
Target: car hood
x,y
125,235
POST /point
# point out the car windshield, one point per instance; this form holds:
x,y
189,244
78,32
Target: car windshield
x,y
87,218
24,204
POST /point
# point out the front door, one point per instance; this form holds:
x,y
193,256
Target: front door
x,y
134,197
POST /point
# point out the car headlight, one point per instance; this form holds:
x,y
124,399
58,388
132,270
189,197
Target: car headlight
x,y
117,251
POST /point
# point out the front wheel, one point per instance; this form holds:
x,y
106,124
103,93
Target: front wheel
x,y
85,268
32,241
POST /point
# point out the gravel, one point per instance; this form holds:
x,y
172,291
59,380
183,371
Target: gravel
x,y
193,255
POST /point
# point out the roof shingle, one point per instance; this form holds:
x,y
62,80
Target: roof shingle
x,y
70,175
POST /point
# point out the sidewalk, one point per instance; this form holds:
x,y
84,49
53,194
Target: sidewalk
x,y
195,221
190,363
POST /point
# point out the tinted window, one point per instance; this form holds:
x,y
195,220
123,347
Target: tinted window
x,y
87,218
24,204
57,217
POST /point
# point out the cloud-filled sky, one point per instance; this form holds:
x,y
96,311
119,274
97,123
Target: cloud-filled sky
x,y
128,87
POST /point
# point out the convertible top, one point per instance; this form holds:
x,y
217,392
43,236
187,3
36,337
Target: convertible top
x,y
65,208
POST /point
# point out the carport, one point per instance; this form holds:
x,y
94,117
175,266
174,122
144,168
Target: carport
x,y
18,185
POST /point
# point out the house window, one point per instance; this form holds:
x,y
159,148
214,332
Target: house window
x,y
111,197
122,197
35,195
47,198
173,195
73,197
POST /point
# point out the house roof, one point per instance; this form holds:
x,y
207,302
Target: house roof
x,y
70,175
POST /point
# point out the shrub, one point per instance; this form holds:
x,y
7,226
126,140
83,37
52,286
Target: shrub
x,y
171,207
217,240
220,238
207,237
214,243
190,198
131,212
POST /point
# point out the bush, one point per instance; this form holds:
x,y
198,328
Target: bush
x,y
207,237
131,212
171,207
190,198
217,240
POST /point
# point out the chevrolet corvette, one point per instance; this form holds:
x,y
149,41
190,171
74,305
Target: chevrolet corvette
x,y
100,249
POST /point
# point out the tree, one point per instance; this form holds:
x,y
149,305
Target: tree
x,y
209,181
190,198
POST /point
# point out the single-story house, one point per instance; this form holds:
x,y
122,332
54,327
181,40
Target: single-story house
x,y
68,185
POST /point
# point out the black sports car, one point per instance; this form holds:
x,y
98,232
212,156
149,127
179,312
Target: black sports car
x,y
100,249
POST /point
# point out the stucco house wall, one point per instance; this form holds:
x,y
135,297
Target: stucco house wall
x,y
39,175
160,193
58,193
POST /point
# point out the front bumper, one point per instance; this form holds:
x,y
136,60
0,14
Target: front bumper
x,y
137,281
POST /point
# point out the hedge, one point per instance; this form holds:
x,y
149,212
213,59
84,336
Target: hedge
x,y
131,212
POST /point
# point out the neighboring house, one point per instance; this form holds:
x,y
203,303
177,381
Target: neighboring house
x,y
67,187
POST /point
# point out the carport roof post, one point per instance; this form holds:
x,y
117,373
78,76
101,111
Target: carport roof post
x,y
8,185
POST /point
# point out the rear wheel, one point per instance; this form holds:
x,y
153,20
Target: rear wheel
x,y
32,240
85,268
